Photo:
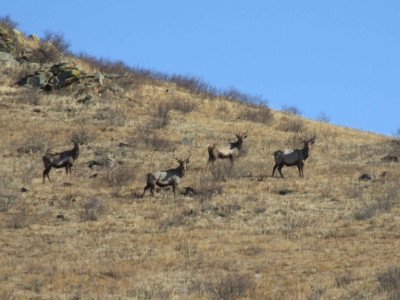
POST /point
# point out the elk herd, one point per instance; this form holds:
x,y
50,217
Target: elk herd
x,y
171,177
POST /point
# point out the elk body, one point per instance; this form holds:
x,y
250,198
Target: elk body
x,y
231,151
165,178
293,157
60,160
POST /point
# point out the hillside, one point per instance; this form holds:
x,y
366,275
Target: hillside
x,y
246,235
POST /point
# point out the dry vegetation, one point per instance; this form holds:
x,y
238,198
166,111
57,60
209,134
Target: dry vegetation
x,y
243,235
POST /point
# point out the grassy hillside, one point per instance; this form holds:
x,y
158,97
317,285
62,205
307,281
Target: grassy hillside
x,y
246,236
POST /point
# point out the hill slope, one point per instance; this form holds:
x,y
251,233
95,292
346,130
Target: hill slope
x,y
246,235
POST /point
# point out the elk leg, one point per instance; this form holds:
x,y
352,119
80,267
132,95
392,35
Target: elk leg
x,y
174,189
232,161
46,173
273,170
279,169
146,188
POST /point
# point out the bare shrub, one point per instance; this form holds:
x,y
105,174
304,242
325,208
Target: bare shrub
x,y
259,114
291,109
323,117
6,201
82,136
29,95
233,286
209,188
45,53
234,94
18,220
183,105
390,282
222,172
117,117
34,144
57,40
92,209
160,116
291,124
382,203
120,175
7,22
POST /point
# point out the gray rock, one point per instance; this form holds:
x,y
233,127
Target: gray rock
x,y
7,60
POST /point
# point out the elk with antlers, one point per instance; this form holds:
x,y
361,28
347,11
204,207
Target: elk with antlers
x,y
60,160
231,151
293,157
168,177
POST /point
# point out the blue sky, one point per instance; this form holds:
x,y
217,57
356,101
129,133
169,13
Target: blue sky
x,y
341,58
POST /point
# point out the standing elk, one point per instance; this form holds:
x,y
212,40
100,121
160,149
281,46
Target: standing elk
x,y
168,177
60,160
231,151
293,157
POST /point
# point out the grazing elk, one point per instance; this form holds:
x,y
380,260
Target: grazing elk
x,y
293,157
60,160
231,151
168,177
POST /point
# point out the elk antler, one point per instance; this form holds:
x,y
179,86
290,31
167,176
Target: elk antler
x,y
179,159
238,133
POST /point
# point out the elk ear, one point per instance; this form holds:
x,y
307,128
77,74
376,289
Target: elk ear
x,y
245,136
187,161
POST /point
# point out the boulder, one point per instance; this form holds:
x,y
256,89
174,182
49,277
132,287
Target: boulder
x,y
53,77
7,60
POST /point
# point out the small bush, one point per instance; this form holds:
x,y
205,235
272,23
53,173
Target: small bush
x,y
290,109
7,22
81,135
291,124
160,116
233,286
117,117
259,114
18,220
120,175
390,282
45,53
57,40
92,209
182,105
29,96
34,144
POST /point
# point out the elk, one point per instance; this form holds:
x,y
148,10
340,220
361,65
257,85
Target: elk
x,y
231,151
60,160
164,178
293,157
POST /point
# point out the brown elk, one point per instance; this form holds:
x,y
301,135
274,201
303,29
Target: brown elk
x,y
163,178
60,160
293,157
231,151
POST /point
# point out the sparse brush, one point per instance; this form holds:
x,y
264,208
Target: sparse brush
x,y
30,96
183,105
257,113
18,220
390,282
120,175
233,286
92,209
35,143
291,124
82,136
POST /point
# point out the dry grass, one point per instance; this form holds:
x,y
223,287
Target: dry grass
x,y
327,236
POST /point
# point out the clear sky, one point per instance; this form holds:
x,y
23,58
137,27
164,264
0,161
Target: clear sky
x,y
341,58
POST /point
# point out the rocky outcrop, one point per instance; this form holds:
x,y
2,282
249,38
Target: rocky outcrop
x,y
55,77
7,61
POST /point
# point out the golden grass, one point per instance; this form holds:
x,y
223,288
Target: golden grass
x,y
329,238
